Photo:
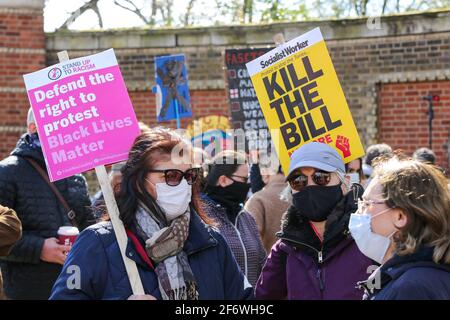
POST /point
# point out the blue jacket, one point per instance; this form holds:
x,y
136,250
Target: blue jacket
x,y
413,277
97,258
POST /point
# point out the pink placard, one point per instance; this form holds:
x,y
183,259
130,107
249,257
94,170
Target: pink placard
x,y
83,114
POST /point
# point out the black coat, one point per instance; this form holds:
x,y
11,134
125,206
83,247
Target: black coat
x,y
41,213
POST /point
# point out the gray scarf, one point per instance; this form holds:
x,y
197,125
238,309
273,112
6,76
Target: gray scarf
x,y
164,246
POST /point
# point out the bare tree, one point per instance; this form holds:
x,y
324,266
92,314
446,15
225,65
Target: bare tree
x,y
274,10
161,12
163,7
89,5
248,11
421,4
383,10
131,6
360,7
188,13
166,11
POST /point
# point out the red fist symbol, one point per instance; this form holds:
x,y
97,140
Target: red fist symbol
x,y
343,145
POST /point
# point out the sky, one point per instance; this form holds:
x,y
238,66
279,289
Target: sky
x,y
57,11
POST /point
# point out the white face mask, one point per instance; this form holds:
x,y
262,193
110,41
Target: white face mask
x,y
372,245
354,177
173,200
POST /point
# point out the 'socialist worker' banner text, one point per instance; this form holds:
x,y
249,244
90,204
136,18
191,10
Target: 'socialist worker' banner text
x,y
302,100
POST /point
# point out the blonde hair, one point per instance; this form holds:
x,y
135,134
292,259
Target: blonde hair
x,y
420,191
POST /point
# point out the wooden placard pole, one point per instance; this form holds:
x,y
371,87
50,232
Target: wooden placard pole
x,y
113,212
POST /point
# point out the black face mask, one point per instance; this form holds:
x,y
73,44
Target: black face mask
x,y
316,202
234,193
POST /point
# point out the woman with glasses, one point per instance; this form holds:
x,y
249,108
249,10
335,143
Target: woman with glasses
x,y
315,257
403,223
355,172
226,191
178,255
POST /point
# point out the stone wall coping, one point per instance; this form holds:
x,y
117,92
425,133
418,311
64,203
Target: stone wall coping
x,y
20,129
13,89
249,35
416,76
22,50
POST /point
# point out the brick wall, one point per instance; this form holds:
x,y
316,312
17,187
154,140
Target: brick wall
x,y
204,103
406,48
412,48
22,50
403,117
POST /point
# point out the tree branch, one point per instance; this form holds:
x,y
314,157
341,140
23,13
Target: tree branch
x,y
92,4
135,10
169,5
414,6
364,7
384,7
188,13
97,11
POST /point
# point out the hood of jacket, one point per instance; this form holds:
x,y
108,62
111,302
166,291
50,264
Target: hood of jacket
x,y
26,147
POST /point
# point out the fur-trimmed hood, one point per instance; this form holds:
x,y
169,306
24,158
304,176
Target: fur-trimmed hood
x,y
298,231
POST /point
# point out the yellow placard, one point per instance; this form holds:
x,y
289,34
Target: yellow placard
x,y
302,100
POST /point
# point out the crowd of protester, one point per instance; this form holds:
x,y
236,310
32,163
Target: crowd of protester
x,y
229,226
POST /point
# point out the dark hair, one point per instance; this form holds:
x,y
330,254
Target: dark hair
x,y
375,151
360,170
424,155
149,147
224,163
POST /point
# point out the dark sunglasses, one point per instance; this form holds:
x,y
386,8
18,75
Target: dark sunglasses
x,y
298,182
173,177
233,175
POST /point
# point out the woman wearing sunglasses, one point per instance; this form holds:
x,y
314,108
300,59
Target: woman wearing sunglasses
x,y
315,257
178,255
226,191
403,223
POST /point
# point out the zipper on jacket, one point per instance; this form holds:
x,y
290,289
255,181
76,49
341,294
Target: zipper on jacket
x,y
319,270
319,259
320,279
242,244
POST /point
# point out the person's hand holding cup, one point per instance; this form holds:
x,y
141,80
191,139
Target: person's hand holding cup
x,y
67,235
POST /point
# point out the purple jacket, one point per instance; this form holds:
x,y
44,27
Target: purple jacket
x,y
300,267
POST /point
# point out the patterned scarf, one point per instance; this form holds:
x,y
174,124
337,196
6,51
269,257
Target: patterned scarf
x,y
164,246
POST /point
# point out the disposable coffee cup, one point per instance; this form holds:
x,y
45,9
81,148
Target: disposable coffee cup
x,y
67,235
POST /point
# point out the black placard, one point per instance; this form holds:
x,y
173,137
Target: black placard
x,y
246,112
